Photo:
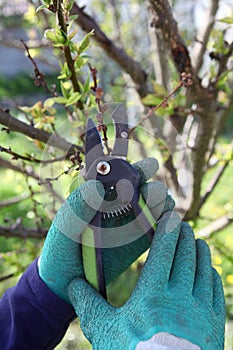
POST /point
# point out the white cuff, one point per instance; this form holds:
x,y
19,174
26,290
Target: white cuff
x,y
165,341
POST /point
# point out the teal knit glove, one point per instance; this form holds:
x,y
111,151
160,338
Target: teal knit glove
x,y
61,258
178,292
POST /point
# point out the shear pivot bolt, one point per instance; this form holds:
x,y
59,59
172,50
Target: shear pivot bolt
x,y
103,168
124,134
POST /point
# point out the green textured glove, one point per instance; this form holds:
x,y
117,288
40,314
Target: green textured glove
x,y
178,292
61,258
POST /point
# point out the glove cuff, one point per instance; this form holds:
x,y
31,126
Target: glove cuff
x,y
166,341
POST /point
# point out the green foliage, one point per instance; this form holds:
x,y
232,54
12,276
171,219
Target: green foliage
x,y
43,114
22,85
68,97
228,20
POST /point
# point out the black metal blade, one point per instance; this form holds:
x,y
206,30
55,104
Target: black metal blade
x,y
93,145
119,116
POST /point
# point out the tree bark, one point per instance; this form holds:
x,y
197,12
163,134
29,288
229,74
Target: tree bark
x,y
14,124
22,232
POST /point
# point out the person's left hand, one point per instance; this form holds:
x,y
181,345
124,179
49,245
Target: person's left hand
x,y
61,258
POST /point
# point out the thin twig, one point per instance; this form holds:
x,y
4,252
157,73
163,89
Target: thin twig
x,y
17,125
119,55
98,91
39,76
22,232
8,165
223,60
35,203
4,278
50,179
14,200
203,35
213,182
186,81
30,158
67,52
215,226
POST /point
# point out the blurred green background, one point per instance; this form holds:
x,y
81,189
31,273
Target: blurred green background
x,y
17,88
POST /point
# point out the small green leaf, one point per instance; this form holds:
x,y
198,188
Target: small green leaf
x,y
73,17
60,99
74,98
50,35
228,20
65,92
76,182
25,109
86,86
79,62
41,7
159,90
65,71
49,102
69,4
85,43
151,100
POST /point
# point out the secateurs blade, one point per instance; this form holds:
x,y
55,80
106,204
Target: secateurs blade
x,y
121,182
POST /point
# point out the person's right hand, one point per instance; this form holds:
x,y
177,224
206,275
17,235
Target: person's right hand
x,y
178,292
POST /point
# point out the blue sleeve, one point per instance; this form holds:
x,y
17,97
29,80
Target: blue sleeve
x,y
32,316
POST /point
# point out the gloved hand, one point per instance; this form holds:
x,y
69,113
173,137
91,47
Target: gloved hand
x,y
178,292
61,258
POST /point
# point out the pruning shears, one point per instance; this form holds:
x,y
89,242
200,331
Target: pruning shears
x,y
121,182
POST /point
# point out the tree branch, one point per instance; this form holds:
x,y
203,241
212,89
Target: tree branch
x,y
22,232
164,21
14,200
215,226
213,183
119,55
223,62
30,158
17,125
39,79
185,81
160,55
4,278
225,115
205,98
67,52
8,165
203,36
